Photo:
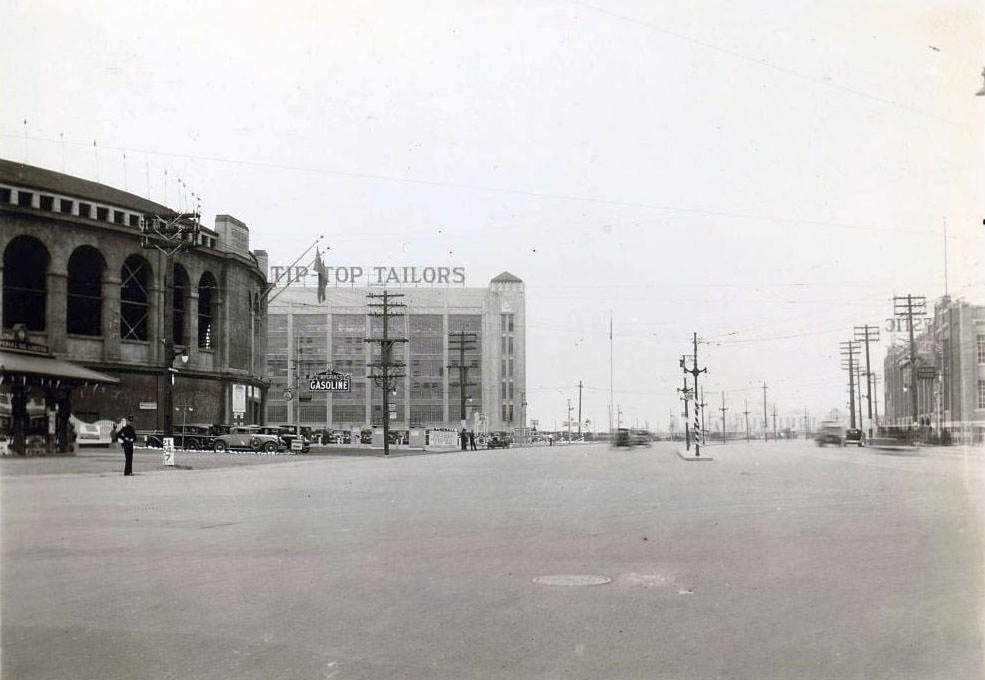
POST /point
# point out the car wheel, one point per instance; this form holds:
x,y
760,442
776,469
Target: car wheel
x,y
220,446
269,447
190,444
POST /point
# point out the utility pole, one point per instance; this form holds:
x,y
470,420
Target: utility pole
x,y
766,425
462,341
774,423
384,377
170,233
618,416
569,420
611,397
579,409
685,397
723,410
807,423
907,307
865,334
875,403
747,420
848,351
695,371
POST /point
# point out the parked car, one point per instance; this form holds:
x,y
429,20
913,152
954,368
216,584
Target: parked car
x,y
249,439
640,437
830,433
289,433
187,436
498,440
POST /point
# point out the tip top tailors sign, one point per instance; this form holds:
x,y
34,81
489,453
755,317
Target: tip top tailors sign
x,y
329,381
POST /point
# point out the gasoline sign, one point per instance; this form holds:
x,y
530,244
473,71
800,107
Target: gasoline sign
x,y
329,381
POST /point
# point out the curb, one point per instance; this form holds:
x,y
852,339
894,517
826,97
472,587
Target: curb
x,y
696,459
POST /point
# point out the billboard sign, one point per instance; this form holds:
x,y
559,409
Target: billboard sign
x,y
329,381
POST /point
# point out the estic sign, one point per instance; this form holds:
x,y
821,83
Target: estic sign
x,y
329,381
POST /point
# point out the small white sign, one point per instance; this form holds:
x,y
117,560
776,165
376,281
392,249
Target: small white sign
x,y
169,450
147,406
296,445
393,415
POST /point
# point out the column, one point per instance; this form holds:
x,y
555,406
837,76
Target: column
x,y
56,311
110,292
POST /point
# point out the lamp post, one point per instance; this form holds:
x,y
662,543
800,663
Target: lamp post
x,y
169,388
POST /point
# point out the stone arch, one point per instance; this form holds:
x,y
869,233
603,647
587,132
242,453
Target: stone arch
x,y
85,299
25,284
208,299
135,278
182,303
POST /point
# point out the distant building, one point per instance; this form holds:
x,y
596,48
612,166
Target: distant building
x,y
314,329
76,278
950,366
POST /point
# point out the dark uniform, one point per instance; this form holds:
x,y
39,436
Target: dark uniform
x,y
127,436
472,440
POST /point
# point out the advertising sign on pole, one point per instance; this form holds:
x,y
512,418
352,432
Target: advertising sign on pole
x,y
239,398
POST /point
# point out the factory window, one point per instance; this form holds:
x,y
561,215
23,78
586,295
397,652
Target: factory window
x,y
135,221
102,214
47,203
65,206
981,394
980,347
24,198
134,298
85,299
119,217
85,210
207,300
25,290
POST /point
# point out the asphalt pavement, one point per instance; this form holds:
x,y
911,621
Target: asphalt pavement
x,y
779,560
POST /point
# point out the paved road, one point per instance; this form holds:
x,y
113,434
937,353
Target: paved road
x,y
777,560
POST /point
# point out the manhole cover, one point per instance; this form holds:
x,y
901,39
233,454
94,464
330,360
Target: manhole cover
x,y
572,580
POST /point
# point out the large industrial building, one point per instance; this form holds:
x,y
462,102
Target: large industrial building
x,y
448,335
950,374
81,285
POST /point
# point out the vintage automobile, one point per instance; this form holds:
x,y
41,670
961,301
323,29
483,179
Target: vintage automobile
x,y
186,436
288,434
830,433
244,438
498,440
623,438
853,436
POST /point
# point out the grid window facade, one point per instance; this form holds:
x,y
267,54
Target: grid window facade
x,y
981,394
980,348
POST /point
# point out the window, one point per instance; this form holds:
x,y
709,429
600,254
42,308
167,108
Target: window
x,y
981,394
102,214
510,318
85,210
47,203
135,221
119,217
85,296
65,206
4,195
181,292
24,198
980,347
134,276
25,289
207,301
511,345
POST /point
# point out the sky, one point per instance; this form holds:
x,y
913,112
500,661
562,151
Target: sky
x,y
764,174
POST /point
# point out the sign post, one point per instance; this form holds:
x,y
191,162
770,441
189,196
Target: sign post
x,y
169,451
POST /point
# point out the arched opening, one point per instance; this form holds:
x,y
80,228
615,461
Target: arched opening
x,y
25,285
207,299
134,308
182,288
85,297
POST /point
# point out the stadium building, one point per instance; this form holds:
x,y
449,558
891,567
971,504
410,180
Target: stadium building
x,y
80,286
448,335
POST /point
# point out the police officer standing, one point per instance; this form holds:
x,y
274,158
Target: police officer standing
x,y
127,436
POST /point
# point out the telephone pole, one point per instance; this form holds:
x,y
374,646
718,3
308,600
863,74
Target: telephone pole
x,y
906,307
695,372
462,341
774,423
569,420
579,409
747,420
865,334
723,410
170,234
685,398
766,425
848,351
384,367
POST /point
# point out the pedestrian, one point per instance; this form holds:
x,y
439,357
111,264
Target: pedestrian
x,y
472,439
463,437
127,436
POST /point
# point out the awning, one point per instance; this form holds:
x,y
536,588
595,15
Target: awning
x,y
18,364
